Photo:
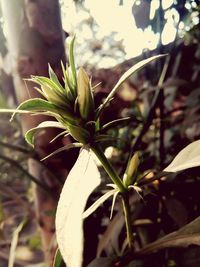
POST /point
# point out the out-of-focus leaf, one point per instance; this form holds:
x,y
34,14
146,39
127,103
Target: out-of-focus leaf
x,y
98,203
29,136
124,77
184,237
102,262
14,242
187,158
81,181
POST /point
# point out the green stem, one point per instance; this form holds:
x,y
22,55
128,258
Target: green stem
x,y
109,168
127,215
123,190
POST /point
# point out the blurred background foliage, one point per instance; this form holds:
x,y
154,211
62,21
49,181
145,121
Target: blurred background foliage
x,y
162,101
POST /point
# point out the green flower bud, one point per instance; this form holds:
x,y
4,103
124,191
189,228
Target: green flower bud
x,y
79,134
53,96
131,170
85,96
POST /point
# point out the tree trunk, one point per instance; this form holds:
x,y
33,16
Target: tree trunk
x,y
35,38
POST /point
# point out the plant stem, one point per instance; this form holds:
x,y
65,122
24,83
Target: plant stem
x,y
127,215
123,190
109,168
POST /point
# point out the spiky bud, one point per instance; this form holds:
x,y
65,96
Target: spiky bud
x,y
85,96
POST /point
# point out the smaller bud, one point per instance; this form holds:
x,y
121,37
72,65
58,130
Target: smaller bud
x,y
131,170
85,96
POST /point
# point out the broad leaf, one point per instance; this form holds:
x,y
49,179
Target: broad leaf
x,y
29,136
184,237
81,181
99,202
187,158
124,77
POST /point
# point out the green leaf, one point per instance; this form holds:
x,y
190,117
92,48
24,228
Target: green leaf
x,y
187,158
67,147
45,81
35,105
81,181
124,77
54,78
58,261
99,202
29,136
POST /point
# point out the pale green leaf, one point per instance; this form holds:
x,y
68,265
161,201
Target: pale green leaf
x,y
5,110
124,77
81,181
29,136
99,202
187,158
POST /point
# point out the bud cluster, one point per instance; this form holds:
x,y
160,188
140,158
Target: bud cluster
x,y
73,101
